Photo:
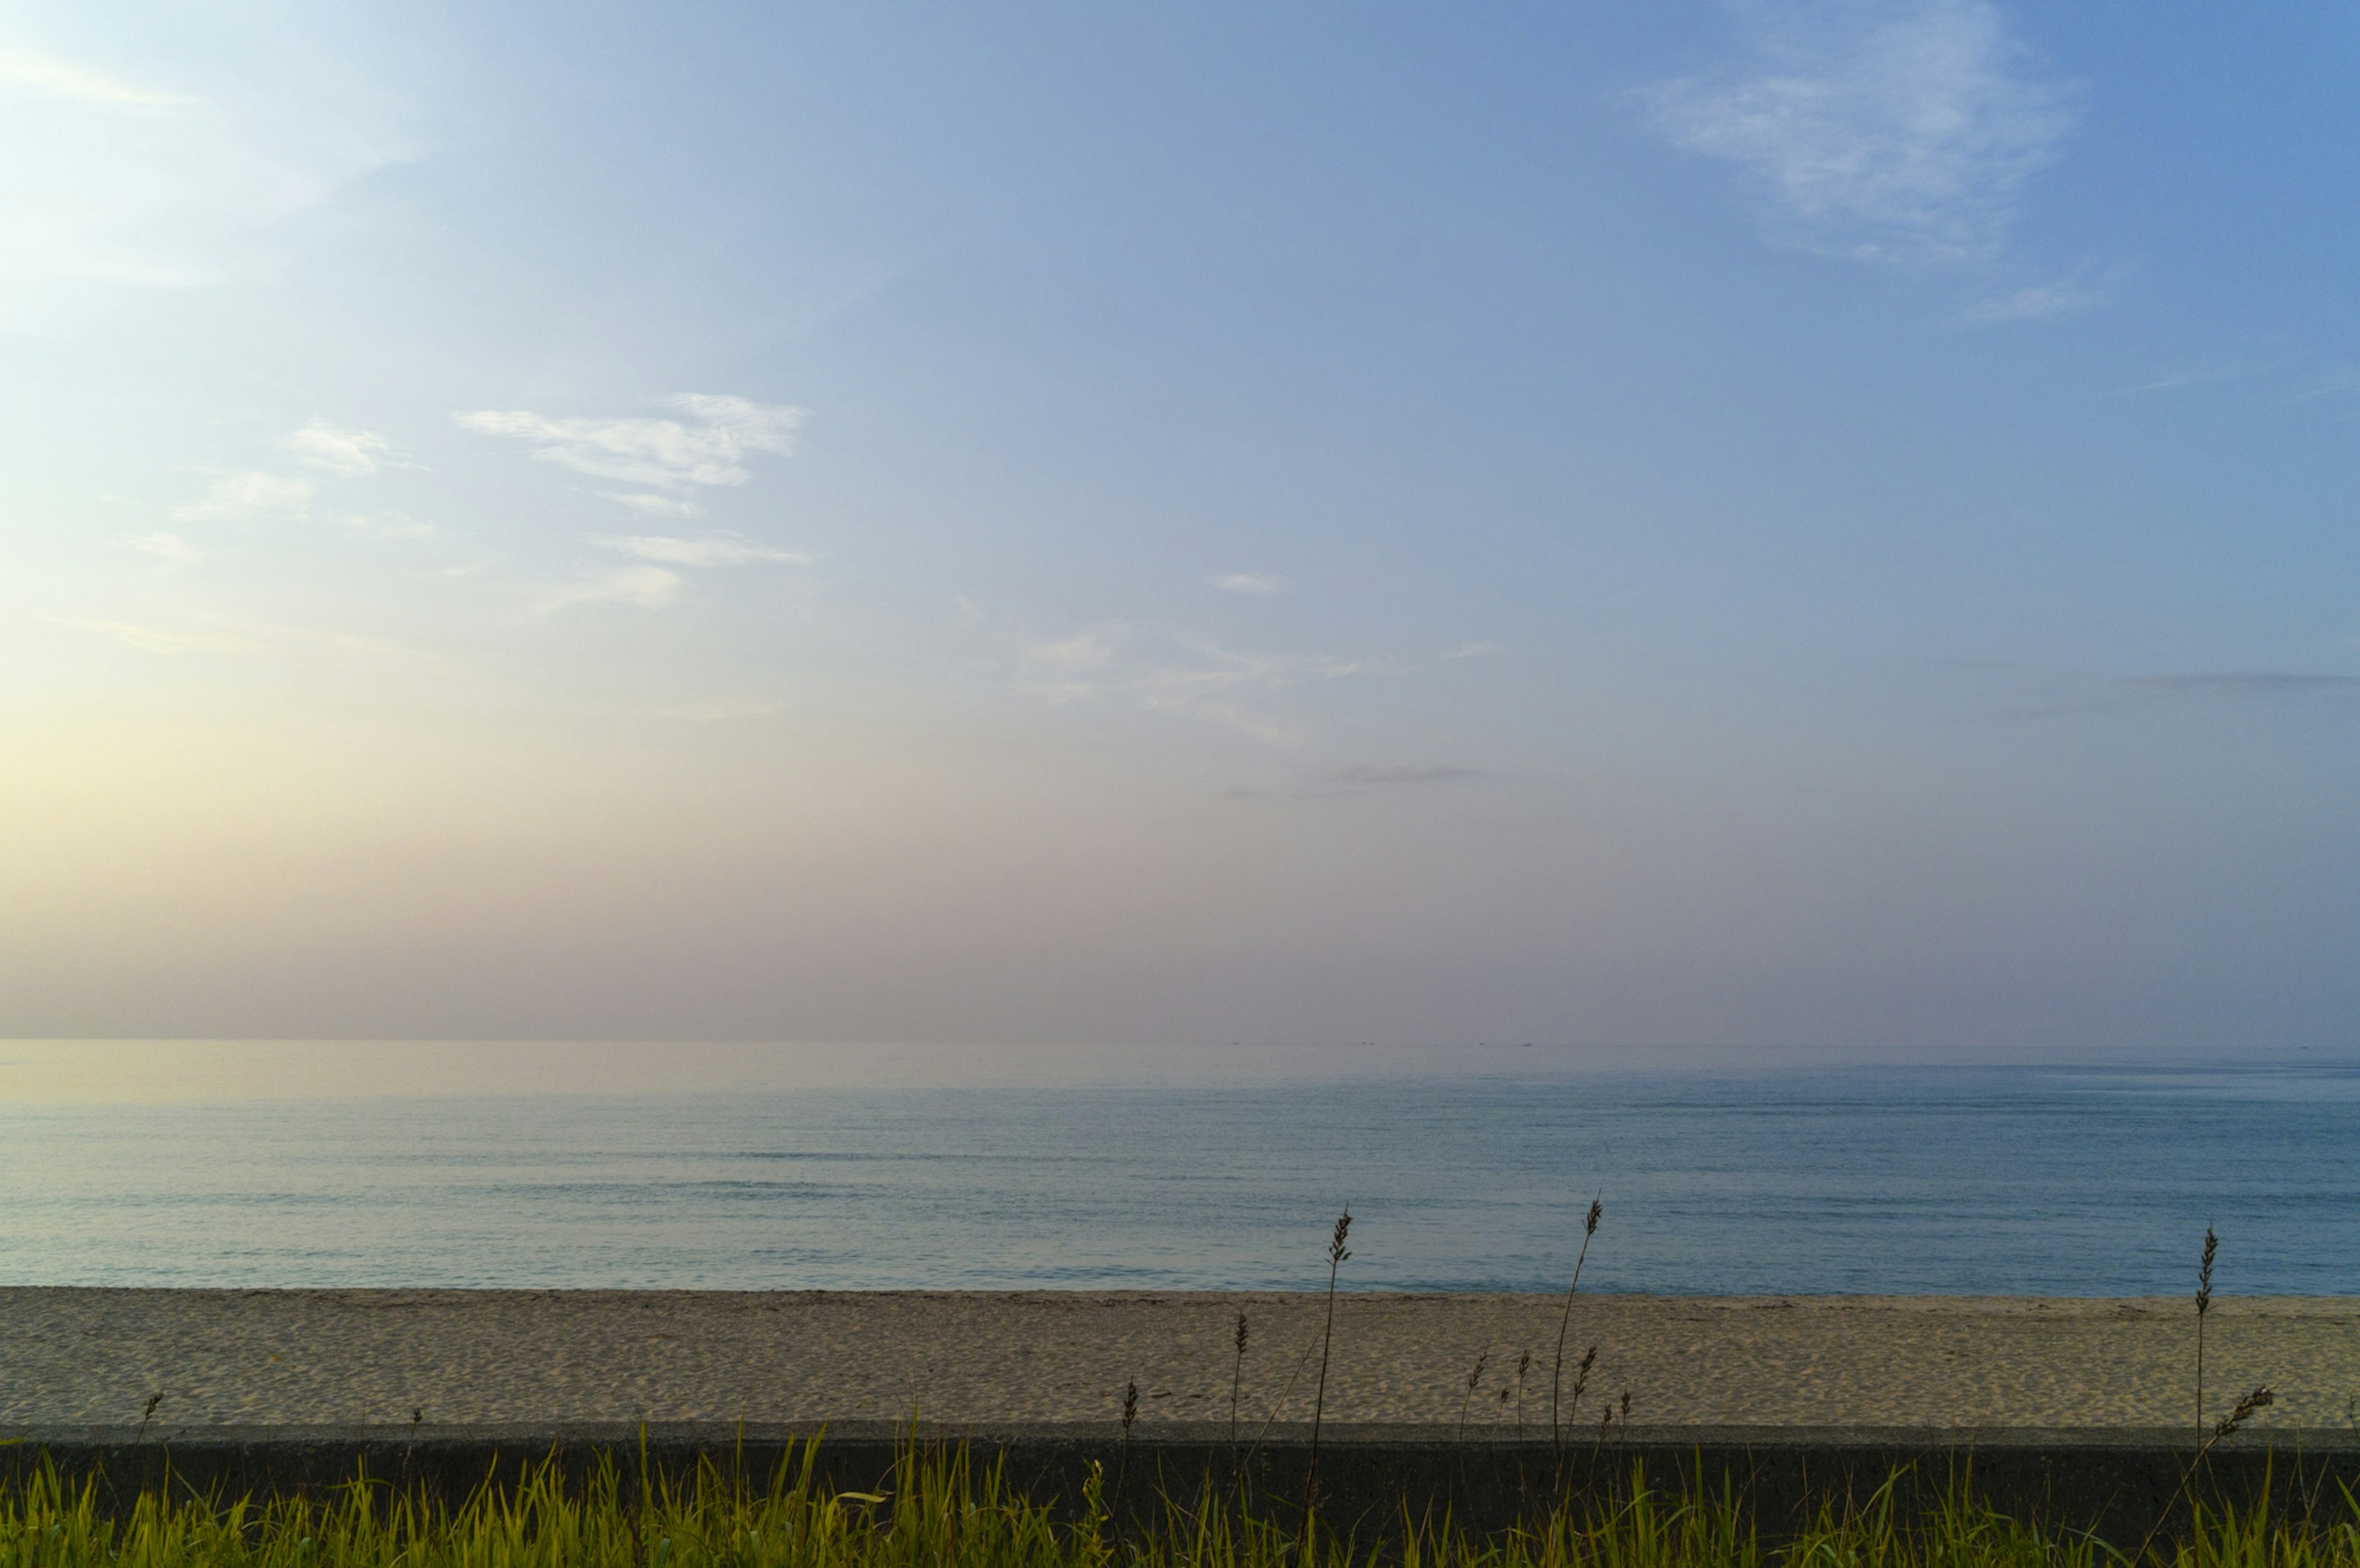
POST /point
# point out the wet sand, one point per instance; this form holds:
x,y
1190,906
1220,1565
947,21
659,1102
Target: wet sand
x,y
340,1357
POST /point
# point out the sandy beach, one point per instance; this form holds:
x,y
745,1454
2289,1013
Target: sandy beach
x,y
309,1357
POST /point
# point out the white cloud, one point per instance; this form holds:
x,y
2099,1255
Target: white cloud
x,y
247,496
665,455
117,182
649,587
1252,583
152,640
21,71
171,547
1066,669
719,549
2181,380
2038,302
655,505
301,642
394,528
346,453
1179,675
1474,650
1880,131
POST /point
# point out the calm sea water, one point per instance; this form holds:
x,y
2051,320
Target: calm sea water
x,y
2084,1180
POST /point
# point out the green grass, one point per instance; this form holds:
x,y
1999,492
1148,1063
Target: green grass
x,y
944,1513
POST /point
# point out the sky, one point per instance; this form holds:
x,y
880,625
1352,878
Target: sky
x,y
1774,528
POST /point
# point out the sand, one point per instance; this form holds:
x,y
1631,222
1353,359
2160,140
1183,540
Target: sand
x,y
313,1358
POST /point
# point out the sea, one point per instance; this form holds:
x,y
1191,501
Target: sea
x,y
860,1167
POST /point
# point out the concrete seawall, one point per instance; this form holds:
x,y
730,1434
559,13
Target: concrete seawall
x,y
2119,1484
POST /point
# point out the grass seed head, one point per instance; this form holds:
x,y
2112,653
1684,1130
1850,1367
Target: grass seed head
x,y
2260,1399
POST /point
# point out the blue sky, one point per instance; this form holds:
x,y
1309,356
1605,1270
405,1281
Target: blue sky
x,y
1779,527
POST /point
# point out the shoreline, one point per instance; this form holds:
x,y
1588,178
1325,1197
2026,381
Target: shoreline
x,y
92,1356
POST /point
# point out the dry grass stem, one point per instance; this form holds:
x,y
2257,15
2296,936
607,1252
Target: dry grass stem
x,y
1237,1378
1473,1380
2203,1306
1556,1373
1337,1254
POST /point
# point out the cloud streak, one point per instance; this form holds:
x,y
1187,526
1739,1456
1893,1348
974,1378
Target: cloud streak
x,y
394,528
2084,693
2038,302
348,454
654,506
22,70
720,549
663,455
1880,132
1252,583
642,587
167,547
2243,683
114,182
247,495
1396,775
155,639
1183,676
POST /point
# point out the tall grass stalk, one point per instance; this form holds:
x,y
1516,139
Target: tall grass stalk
x,y
1557,1374
2203,1306
1474,1379
1237,1378
1337,1253
1130,1420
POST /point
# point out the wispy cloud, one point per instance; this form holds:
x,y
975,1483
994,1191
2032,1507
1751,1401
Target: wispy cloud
x,y
718,550
663,455
348,454
654,506
156,639
2180,380
1252,583
2037,302
646,587
2342,382
2243,683
46,76
1370,773
170,547
1879,131
2068,694
250,638
247,496
1180,675
1475,651
113,181
392,528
